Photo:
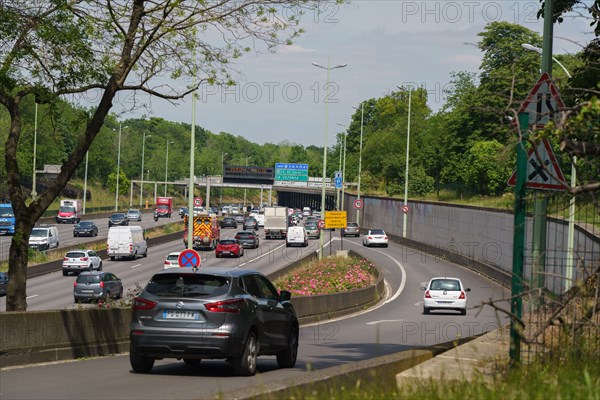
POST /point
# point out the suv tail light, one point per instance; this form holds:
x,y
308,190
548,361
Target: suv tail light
x,y
228,306
83,259
101,284
427,295
142,304
462,295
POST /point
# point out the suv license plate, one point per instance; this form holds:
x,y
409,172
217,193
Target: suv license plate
x,y
176,314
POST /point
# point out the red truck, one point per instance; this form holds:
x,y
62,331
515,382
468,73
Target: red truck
x,y
164,207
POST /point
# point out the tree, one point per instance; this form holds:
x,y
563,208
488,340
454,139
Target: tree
x,y
51,49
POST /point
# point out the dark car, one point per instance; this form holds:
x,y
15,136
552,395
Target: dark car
x,y
247,239
96,285
250,223
3,283
118,219
351,229
228,222
85,228
229,247
183,211
212,313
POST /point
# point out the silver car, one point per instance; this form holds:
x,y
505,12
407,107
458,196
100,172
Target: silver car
x,y
134,215
97,285
212,313
81,260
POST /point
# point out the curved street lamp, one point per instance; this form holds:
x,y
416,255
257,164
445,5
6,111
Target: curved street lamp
x,y
328,68
362,115
167,165
142,178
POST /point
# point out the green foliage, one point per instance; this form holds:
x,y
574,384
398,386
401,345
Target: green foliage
x,y
419,183
487,167
111,182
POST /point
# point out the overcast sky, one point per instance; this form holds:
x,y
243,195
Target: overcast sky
x,y
384,44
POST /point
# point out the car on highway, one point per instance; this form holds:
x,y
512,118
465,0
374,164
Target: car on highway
x,y
172,260
134,215
260,219
118,219
311,218
250,223
77,261
312,229
3,283
183,211
306,211
351,229
247,239
229,248
212,313
375,237
85,228
445,293
239,218
296,236
229,222
97,285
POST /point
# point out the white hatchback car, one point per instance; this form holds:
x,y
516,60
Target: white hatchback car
x,y
172,260
375,237
445,293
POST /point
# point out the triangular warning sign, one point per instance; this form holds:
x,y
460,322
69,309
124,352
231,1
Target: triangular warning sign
x,y
543,103
543,171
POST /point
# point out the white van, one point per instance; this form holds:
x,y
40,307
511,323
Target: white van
x,y
126,241
43,237
296,236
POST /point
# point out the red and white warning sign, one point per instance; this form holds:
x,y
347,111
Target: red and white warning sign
x,y
543,103
543,171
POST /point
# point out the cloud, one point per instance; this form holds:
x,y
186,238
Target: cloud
x,y
466,60
293,49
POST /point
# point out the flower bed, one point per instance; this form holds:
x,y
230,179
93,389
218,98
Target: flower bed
x,y
328,276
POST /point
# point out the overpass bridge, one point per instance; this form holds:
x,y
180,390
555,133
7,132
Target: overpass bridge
x,y
289,195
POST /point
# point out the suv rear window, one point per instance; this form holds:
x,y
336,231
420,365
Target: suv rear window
x,y
352,225
88,279
244,236
179,285
75,254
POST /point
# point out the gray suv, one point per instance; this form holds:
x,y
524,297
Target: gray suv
x,y
217,313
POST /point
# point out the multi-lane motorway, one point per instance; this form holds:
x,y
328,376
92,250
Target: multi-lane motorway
x,y
395,324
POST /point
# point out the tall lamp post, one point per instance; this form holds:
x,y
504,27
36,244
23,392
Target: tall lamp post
x,y
85,180
118,166
571,226
343,164
223,154
406,170
142,177
247,158
167,165
362,115
33,192
328,68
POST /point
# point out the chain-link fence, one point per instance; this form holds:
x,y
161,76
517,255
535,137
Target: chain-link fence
x,y
561,312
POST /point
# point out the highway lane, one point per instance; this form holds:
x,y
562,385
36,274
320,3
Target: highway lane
x,y
395,324
65,231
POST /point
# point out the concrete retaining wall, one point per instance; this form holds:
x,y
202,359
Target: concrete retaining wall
x,y
479,238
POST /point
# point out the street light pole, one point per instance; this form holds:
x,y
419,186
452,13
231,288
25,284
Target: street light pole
x,y
328,68
406,170
362,115
85,180
343,165
118,168
142,177
33,192
223,154
247,158
167,166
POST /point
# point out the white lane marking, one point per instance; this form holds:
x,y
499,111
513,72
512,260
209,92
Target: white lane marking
x,y
31,297
419,303
135,266
384,321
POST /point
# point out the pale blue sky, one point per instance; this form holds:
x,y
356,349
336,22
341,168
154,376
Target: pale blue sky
x,y
385,44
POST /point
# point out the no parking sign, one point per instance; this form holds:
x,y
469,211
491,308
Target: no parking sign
x,y
189,258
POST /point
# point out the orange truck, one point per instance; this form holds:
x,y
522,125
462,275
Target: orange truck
x,y
207,232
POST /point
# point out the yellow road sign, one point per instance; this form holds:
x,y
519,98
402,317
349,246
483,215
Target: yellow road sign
x,y
335,219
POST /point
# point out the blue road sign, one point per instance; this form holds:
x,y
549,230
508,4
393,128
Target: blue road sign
x,y
189,258
338,183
